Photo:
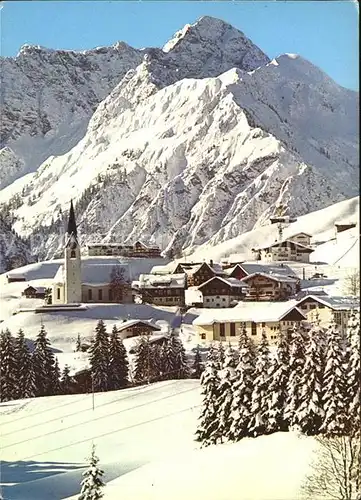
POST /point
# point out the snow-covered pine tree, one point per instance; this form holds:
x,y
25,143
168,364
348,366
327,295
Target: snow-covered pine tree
x,y
212,354
197,367
56,378
294,386
279,375
226,380
167,364
335,385
155,362
181,369
353,372
92,483
99,358
243,388
118,362
78,344
208,420
260,394
65,381
142,360
221,354
8,383
25,376
310,413
43,364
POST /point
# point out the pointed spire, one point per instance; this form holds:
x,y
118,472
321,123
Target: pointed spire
x,y
71,222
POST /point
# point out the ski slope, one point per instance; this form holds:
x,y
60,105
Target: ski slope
x,y
144,438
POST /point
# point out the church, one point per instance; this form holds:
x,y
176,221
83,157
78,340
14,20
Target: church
x,y
98,279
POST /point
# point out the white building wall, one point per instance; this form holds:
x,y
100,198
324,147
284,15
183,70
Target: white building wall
x,y
219,301
72,273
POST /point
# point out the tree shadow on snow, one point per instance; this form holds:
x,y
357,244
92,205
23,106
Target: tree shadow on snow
x,y
50,480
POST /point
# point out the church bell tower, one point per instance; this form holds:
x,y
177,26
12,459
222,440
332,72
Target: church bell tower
x,y
72,260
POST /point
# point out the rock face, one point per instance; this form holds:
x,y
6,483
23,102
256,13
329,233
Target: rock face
x,y
197,142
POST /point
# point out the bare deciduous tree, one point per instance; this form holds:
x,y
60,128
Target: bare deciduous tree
x,y
336,470
352,283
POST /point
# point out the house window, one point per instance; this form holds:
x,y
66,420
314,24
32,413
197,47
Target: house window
x,y
72,254
222,330
338,318
224,300
207,300
100,294
203,336
110,294
90,294
58,293
312,306
263,324
254,328
233,329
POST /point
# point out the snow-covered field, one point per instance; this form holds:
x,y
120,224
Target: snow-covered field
x,y
144,438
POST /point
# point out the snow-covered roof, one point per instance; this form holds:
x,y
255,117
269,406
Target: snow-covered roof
x,y
162,269
335,303
248,311
274,277
95,272
255,267
132,322
158,281
233,282
15,275
301,247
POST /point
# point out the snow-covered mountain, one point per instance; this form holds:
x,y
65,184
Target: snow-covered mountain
x,y
201,139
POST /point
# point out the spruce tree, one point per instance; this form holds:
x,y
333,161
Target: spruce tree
x,y
66,381
335,385
24,368
92,483
180,364
197,367
8,382
279,376
226,379
99,358
208,421
220,355
56,387
78,344
142,366
118,362
43,364
167,360
353,373
155,362
260,394
212,354
295,381
243,388
310,413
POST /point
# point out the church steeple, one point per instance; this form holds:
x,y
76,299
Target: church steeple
x,y
71,222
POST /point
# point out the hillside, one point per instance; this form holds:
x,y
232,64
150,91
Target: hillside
x,y
200,141
142,455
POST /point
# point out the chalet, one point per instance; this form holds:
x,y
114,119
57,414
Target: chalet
x,y
166,290
284,251
244,269
197,274
267,287
34,292
222,292
302,238
15,277
157,338
136,327
118,249
323,309
256,318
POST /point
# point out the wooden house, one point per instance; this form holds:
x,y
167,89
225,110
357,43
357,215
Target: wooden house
x,y
135,328
267,287
222,292
272,318
302,238
34,292
197,274
323,309
241,270
166,290
283,251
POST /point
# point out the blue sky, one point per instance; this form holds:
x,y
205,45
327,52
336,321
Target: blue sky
x,y
325,32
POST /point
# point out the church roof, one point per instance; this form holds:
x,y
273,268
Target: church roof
x,y
95,272
71,222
